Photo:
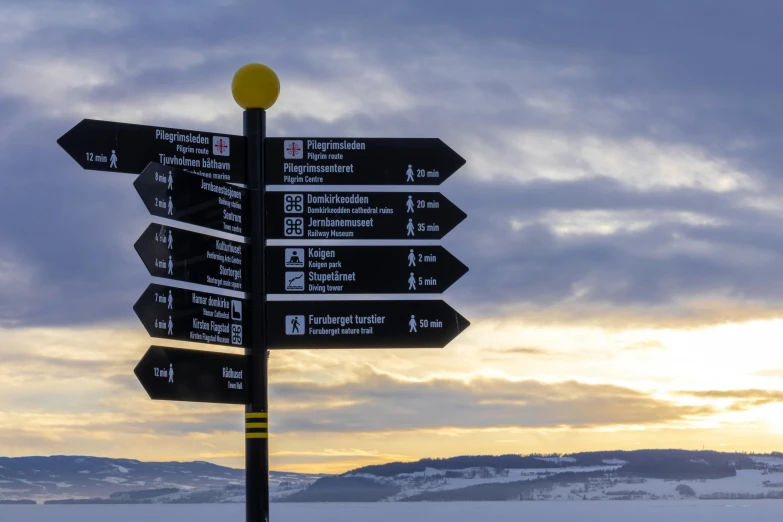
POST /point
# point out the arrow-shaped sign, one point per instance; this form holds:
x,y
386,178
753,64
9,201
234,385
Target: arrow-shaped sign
x,y
189,315
173,253
361,269
175,374
359,161
360,215
125,147
179,195
362,324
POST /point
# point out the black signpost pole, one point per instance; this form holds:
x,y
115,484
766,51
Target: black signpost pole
x,y
256,413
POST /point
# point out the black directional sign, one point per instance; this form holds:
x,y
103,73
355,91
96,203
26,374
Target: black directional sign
x,y
361,269
365,215
182,255
124,147
189,315
362,324
175,374
359,161
179,195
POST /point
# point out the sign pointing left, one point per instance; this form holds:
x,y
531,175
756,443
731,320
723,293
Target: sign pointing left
x,y
129,148
181,196
192,315
182,255
176,374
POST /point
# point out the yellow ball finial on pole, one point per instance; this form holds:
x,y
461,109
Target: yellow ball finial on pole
x,y
255,86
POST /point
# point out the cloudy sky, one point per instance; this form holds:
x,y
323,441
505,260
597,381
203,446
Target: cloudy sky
x,y
624,238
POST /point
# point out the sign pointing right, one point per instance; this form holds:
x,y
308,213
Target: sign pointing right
x,y
359,161
361,269
360,215
362,324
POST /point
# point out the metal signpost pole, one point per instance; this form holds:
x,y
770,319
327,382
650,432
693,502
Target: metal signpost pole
x,y
255,88
256,413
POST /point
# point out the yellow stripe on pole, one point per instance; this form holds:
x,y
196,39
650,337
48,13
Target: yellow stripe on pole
x,y
257,425
256,415
256,435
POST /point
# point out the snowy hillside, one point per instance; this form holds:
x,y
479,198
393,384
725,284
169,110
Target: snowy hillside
x,y
124,480
642,475
616,475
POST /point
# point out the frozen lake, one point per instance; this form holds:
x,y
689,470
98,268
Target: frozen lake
x,y
589,511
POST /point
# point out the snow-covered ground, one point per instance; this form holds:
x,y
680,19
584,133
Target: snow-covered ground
x,y
746,482
772,462
595,511
436,479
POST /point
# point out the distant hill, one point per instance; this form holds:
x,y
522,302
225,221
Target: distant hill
x,y
605,475
96,479
637,458
472,461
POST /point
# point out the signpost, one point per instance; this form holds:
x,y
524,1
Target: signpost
x,y
189,315
124,147
184,176
359,161
181,196
175,374
361,269
360,215
362,324
173,253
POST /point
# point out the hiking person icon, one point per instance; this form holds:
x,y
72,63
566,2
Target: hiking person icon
x,y
171,373
113,160
410,228
171,207
295,325
410,204
171,181
170,301
409,174
411,258
412,324
171,240
412,282
171,266
171,327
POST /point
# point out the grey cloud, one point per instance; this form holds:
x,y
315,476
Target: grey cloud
x,y
744,394
696,86
173,423
742,399
39,364
645,345
648,267
381,403
522,350
185,423
64,226
771,372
